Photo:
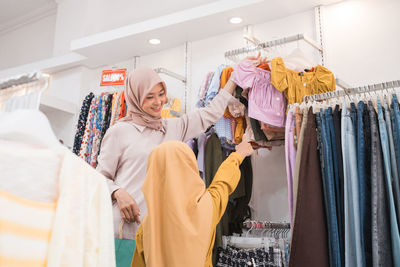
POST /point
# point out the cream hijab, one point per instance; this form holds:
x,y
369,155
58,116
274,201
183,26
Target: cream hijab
x,y
177,227
138,84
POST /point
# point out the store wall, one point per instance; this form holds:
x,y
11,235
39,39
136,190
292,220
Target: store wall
x,y
27,44
362,40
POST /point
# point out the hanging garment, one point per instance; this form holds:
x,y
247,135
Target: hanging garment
x,y
328,183
393,164
203,90
395,112
75,230
122,107
107,119
290,156
337,118
381,244
83,153
353,251
295,85
298,161
185,239
201,143
115,112
336,180
395,237
309,249
364,174
80,131
262,257
126,146
266,104
309,238
299,118
223,128
214,86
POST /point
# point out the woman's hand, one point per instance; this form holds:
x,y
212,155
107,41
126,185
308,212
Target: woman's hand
x,y
127,205
258,60
244,148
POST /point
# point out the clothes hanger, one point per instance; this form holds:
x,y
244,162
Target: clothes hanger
x,y
28,126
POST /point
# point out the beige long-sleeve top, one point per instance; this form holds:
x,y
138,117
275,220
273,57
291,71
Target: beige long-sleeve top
x,y
126,146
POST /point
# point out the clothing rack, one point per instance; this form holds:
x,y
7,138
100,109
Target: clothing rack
x,y
23,91
352,91
22,80
265,225
285,40
171,74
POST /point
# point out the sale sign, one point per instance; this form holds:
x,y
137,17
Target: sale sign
x,y
113,77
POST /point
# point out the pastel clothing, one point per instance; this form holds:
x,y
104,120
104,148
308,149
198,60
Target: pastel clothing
x,y
295,85
73,228
126,146
214,86
266,104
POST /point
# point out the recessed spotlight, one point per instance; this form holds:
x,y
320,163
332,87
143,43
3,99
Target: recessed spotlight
x,y
154,41
235,20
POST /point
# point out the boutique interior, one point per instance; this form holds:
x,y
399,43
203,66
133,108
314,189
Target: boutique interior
x,y
322,113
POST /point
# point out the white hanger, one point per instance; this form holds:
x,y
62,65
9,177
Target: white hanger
x,y
297,60
28,126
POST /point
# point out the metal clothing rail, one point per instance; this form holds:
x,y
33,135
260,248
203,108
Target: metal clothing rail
x,y
20,80
352,91
171,73
265,225
277,42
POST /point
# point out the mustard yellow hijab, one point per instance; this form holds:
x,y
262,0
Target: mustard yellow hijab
x,y
177,228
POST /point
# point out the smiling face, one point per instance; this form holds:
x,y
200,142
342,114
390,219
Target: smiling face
x,y
155,100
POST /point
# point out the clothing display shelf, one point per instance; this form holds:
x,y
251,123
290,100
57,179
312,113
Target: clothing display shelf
x,y
23,91
265,225
351,91
235,52
171,74
23,80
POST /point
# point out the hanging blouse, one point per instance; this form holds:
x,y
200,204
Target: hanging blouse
x,y
295,85
85,140
122,109
80,131
266,104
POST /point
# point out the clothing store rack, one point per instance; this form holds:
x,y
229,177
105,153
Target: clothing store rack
x,y
277,42
352,91
23,79
265,225
171,73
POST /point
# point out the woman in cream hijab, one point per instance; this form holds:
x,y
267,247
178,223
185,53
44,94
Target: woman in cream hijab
x,y
128,143
179,229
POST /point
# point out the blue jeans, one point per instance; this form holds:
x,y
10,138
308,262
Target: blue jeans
x,y
329,190
393,164
361,156
396,129
335,161
386,159
353,249
381,244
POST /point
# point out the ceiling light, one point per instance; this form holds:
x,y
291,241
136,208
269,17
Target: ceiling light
x,y
235,20
154,41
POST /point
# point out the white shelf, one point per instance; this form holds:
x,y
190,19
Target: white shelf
x,y
50,65
187,25
56,103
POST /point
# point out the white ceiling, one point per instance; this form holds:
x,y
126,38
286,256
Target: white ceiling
x,y
16,13
189,24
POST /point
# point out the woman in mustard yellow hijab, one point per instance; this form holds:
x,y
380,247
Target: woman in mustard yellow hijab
x,y
179,228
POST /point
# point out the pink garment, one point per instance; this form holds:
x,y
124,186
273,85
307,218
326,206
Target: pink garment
x,y
290,154
266,104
